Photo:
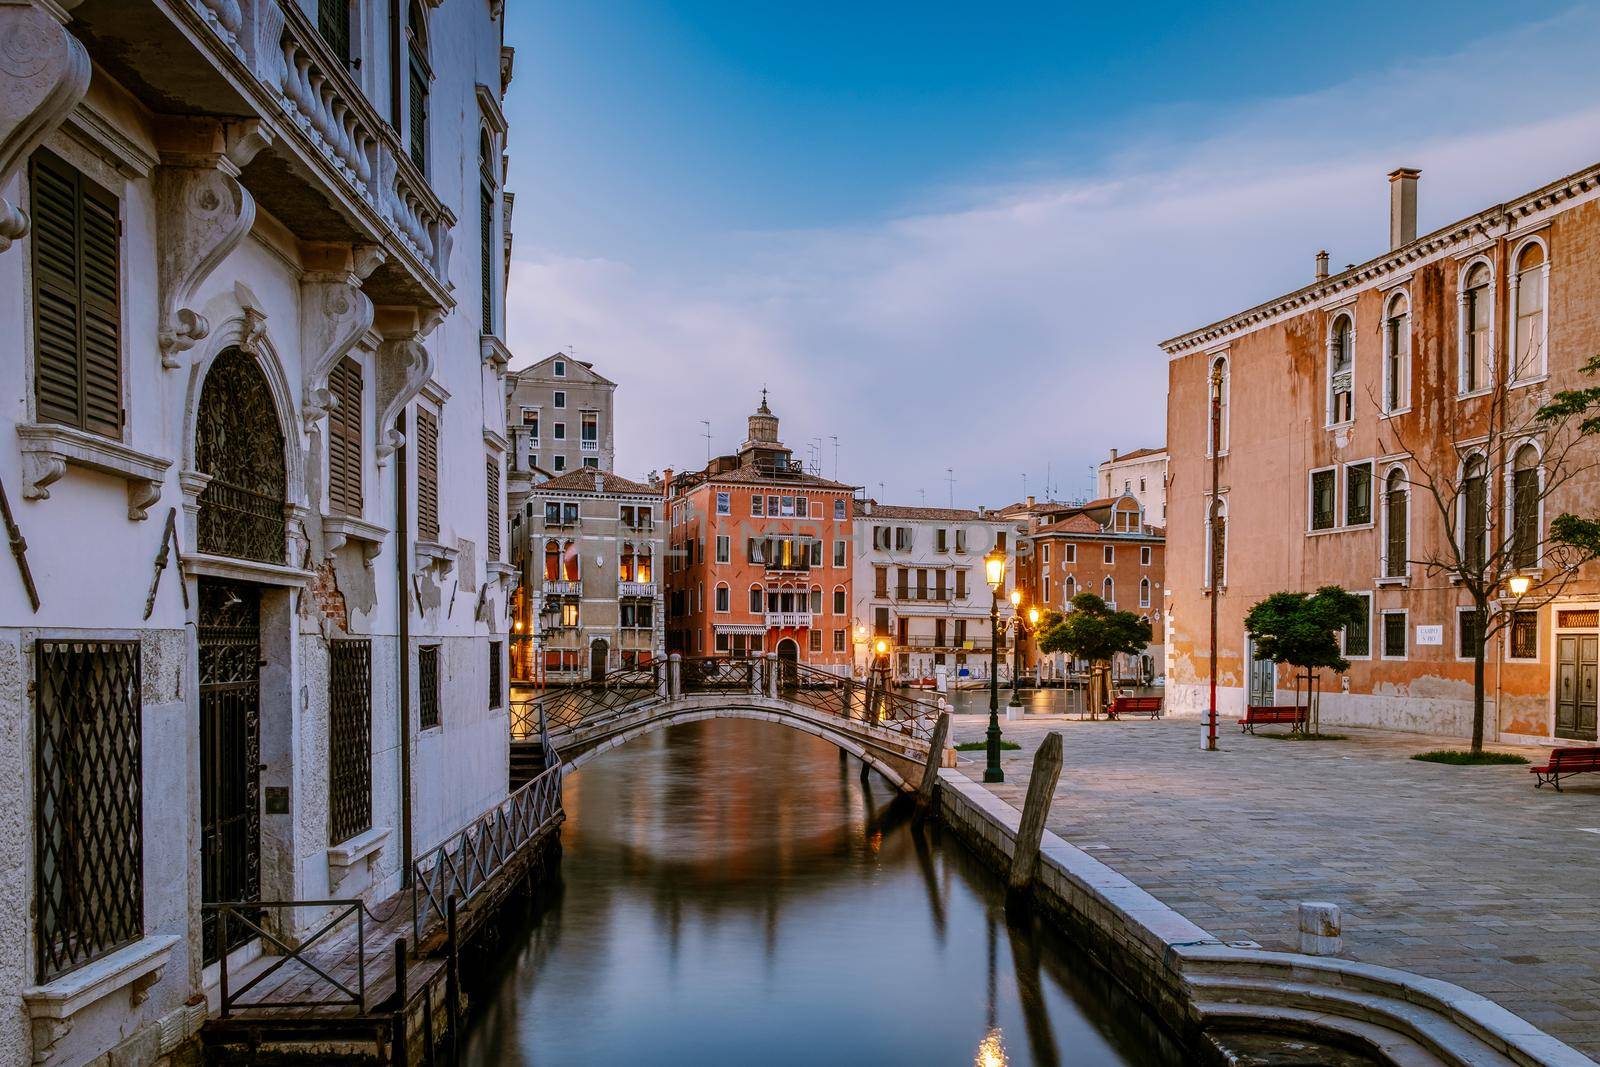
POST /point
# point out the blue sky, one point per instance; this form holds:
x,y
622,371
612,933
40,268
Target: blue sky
x,y
952,233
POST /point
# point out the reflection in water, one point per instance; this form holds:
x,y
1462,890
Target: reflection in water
x,y
733,892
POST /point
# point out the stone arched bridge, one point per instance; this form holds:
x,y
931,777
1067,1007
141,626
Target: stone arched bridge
x,y
890,731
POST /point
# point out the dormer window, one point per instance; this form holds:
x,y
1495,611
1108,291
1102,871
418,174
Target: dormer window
x,y
561,368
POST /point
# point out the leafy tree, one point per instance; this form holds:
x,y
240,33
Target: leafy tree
x,y
1093,632
1302,629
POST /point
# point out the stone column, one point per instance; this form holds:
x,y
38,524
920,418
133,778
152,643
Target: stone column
x,y
772,675
674,676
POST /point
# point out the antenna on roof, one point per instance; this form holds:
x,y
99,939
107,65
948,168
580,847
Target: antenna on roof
x,y
707,435
950,477
1047,493
1024,485
922,494
835,439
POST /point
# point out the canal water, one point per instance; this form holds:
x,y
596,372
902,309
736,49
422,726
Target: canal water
x,y
731,892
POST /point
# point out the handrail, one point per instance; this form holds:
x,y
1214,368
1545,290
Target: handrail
x,y
463,863
243,910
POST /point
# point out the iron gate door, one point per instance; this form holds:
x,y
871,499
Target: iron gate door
x,y
230,751
1576,678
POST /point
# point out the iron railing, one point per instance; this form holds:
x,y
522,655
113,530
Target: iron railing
x,y
247,914
464,863
565,708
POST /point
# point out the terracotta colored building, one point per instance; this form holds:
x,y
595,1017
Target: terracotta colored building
x,y
1346,406
1106,547
758,556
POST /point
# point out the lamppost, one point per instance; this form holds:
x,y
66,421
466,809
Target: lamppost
x,y
1216,542
1018,628
994,569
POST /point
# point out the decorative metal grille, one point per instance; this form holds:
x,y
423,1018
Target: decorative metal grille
x,y
349,740
494,674
239,443
230,752
89,858
428,686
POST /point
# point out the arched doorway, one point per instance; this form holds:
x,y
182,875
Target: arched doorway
x,y
599,652
788,660
239,447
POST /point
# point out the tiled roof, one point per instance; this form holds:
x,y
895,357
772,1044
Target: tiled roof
x,y
582,481
750,474
896,511
1138,453
1071,524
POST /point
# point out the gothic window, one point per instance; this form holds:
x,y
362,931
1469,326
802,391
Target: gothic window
x,y
1397,354
1341,370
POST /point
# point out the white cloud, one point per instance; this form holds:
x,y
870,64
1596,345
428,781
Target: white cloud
x,y
1020,329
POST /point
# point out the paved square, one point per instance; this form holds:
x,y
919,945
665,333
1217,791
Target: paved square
x,y
1467,874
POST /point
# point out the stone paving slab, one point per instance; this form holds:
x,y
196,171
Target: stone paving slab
x,y
1467,874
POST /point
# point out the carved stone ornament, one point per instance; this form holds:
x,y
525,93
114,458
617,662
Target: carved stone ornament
x,y
334,314
404,366
205,212
44,72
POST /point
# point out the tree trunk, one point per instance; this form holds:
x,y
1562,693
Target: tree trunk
x,y
1477,680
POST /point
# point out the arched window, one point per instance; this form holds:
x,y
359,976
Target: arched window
x,y
1144,592
488,237
1069,589
239,444
420,77
1341,369
642,571
1529,289
569,561
552,560
816,600
724,602
757,600
1220,388
1397,354
625,563
1217,531
1396,541
1477,308
1525,507
1108,591
1474,512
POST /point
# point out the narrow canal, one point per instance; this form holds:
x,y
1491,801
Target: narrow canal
x,y
731,892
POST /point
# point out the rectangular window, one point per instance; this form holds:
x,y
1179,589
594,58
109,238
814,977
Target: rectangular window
x,y
589,431
1469,635
841,553
560,429
1524,635
880,577
560,368
1000,540
77,313
961,540
427,476
560,398
349,739
496,694
1144,555
1394,635
724,504
772,506
838,509
816,640
1358,494
333,24
1069,553
1324,485
838,641
1358,635
491,476
1045,551
724,602
344,438
428,686
724,548
1110,553
839,605
802,507
88,781
961,583
880,622
755,504
787,506
904,538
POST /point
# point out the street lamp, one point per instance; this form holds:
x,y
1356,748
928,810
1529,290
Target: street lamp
x,y
1519,584
994,569
1016,646
1215,518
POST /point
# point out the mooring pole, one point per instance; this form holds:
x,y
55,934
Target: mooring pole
x,y
452,979
400,1054
1041,790
930,770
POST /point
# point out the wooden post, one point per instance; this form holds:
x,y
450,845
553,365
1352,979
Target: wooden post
x,y
674,676
452,979
400,1052
1041,790
930,771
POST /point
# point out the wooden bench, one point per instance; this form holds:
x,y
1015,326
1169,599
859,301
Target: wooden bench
x,y
1273,715
1121,706
1565,762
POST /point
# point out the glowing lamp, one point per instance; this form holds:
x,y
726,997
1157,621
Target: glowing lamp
x,y
1033,616
994,569
1016,598
1519,584
882,647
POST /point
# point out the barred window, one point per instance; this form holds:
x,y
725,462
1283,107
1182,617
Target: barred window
x,y
428,686
1358,635
1524,635
1469,633
349,739
89,843
1394,635
1322,494
494,674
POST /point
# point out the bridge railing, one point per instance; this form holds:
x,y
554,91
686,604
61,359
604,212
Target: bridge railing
x,y
800,683
564,708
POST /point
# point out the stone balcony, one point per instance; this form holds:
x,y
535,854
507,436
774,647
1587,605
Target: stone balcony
x,y
790,620
330,167
636,589
563,587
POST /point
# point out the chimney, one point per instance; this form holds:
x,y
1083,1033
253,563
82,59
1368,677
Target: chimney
x,y
1113,455
599,483
1322,264
1403,206
866,506
1030,501
982,511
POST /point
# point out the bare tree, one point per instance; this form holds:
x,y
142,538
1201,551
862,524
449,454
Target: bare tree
x,y
1486,476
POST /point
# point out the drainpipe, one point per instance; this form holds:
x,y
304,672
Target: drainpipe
x,y
403,615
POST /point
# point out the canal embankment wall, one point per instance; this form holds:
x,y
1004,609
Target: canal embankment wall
x,y
1196,985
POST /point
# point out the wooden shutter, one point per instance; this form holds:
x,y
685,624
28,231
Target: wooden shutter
x,y
419,116
333,23
427,476
344,438
486,255
76,299
491,471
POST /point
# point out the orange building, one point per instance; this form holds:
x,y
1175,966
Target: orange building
x,y
758,556
1372,420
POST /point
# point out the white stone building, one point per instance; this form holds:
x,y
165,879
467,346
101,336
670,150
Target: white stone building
x,y
1141,474
558,413
250,333
919,582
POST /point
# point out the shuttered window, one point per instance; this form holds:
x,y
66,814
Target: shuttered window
x,y
491,474
333,23
427,476
344,438
77,316
486,257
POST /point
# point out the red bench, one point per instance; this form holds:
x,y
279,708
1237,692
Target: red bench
x,y
1565,762
1121,706
1273,715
